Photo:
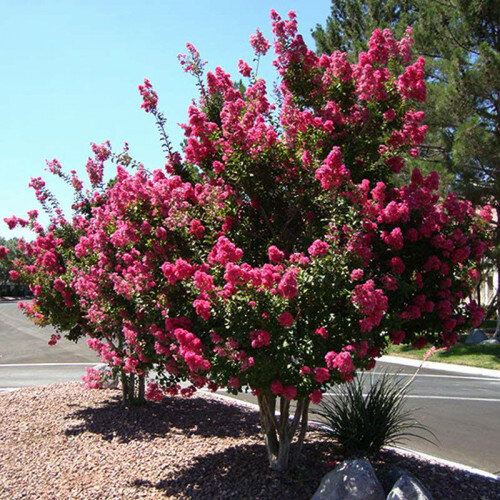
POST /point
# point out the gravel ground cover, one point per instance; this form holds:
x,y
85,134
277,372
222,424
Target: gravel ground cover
x,y
61,441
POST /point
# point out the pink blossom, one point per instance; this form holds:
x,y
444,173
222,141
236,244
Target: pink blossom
x,y
244,68
389,282
203,281
276,387
289,392
342,362
316,396
318,248
14,275
11,221
275,254
419,343
394,239
53,339
92,379
286,319
397,337
224,251
154,393
389,115
357,274
130,364
411,83
397,265
372,303
233,383
332,173
322,332
202,308
287,287
149,96
321,375
260,338
259,43
196,228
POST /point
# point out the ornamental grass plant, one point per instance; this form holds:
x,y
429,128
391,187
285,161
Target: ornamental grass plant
x,y
364,417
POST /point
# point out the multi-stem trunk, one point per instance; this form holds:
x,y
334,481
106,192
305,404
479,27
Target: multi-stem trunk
x,y
280,430
133,391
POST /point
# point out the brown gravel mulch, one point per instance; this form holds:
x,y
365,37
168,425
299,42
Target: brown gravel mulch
x,y
61,441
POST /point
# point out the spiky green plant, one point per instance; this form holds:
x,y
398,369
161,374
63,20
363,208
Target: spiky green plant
x,y
364,422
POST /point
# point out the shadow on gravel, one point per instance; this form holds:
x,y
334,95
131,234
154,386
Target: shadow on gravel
x,y
243,472
188,416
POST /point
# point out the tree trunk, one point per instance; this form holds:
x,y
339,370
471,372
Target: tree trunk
x,y
141,390
279,431
133,393
125,388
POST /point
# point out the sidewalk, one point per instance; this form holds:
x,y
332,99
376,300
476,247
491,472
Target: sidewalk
x,y
444,367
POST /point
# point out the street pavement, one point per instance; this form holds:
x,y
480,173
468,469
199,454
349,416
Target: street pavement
x,y
25,353
462,410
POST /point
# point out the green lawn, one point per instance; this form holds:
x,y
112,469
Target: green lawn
x,y
482,356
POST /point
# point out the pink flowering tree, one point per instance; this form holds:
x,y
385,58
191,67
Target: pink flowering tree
x,y
143,241
278,252
113,272
323,257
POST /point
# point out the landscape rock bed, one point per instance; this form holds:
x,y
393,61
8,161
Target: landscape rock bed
x,y
61,441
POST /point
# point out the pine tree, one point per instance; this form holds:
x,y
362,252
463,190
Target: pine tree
x,y
461,42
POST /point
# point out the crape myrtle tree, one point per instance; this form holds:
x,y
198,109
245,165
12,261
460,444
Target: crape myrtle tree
x,y
322,260
102,275
142,240
276,253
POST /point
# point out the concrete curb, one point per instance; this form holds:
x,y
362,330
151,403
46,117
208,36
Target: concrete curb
x,y
443,461
449,463
443,367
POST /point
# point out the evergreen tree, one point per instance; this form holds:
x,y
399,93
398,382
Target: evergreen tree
x,y
461,42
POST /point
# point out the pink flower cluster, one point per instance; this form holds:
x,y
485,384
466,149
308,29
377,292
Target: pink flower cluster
x,y
371,302
149,96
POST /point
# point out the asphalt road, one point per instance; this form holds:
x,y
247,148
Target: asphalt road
x,y
462,410
25,353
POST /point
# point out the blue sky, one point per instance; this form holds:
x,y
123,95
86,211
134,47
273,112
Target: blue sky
x,y
71,69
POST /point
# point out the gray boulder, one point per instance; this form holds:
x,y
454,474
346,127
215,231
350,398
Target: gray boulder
x,y
492,341
475,337
350,480
408,487
389,475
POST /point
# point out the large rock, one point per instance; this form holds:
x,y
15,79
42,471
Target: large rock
x,y
492,341
389,475
350,480
475,337
408,487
